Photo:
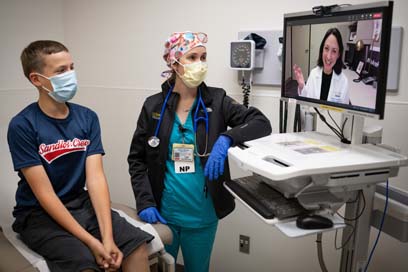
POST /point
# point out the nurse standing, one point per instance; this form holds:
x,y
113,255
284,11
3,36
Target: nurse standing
x,y
177,158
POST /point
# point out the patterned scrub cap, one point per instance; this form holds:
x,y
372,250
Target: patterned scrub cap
x,y
180,43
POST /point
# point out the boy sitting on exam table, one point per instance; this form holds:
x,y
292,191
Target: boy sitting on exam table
x,y
56,149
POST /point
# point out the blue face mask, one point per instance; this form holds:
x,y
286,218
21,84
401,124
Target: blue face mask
x,y
64,86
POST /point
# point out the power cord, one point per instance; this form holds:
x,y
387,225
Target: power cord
x,y
320,252
297,126
339,133
348,238
246,90
355,200
360,213
342,126
331,117
380,228
319,235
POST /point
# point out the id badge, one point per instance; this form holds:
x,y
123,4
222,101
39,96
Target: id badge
x,y
183,153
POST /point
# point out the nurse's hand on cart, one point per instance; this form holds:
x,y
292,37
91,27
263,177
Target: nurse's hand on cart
x,y
215,164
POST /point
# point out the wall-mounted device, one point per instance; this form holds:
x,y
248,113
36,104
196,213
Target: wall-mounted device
x,y
242,58
254,55
268,66
242,55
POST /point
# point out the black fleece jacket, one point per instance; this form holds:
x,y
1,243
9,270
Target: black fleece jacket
x,y
147,164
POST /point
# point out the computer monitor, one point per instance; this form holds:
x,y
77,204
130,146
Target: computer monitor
x,y
342,56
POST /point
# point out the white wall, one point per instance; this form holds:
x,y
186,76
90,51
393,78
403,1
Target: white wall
x,y
117,48
21,22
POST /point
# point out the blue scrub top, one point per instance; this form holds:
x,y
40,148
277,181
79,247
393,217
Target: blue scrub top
x,y
185,202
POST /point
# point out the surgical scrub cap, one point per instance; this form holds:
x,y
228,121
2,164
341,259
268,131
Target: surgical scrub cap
x,y
180,43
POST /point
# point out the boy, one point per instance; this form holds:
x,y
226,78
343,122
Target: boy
x,y
56,149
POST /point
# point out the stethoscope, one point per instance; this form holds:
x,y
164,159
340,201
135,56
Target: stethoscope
x,y
154,140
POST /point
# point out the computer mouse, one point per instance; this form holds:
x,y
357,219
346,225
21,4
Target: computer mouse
x,y
313,221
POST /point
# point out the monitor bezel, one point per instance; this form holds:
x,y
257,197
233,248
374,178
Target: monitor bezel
x,y
386,7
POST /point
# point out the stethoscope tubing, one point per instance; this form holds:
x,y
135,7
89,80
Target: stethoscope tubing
x,y
156,132
200,103
154,141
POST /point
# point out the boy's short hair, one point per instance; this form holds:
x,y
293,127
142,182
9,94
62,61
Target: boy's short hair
x,y
32,57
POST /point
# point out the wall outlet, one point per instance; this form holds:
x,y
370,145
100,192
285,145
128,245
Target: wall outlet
x,y
244,244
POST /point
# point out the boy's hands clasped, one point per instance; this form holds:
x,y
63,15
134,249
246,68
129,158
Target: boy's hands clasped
x,y
107,254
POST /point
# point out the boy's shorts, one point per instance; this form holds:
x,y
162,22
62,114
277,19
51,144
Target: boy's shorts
x,y
63,251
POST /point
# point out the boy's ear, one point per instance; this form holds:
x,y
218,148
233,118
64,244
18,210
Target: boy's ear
x,y
35,79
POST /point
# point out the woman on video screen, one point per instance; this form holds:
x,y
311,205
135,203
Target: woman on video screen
x,y
322,83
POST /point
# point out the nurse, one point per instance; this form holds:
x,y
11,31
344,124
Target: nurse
x,y
322,83
177,158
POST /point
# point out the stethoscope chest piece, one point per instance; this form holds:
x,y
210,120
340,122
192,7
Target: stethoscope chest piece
x,y
153,141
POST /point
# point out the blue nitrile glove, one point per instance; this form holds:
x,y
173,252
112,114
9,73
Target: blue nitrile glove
x,y
151,215
215,163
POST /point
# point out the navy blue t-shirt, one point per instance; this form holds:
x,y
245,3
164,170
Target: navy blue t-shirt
x,y
60,145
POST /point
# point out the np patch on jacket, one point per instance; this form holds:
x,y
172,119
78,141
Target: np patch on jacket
x,y
156,115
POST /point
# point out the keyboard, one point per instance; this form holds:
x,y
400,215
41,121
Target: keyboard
x,y
268,202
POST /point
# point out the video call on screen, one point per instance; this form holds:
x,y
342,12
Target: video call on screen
x,y
361,39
